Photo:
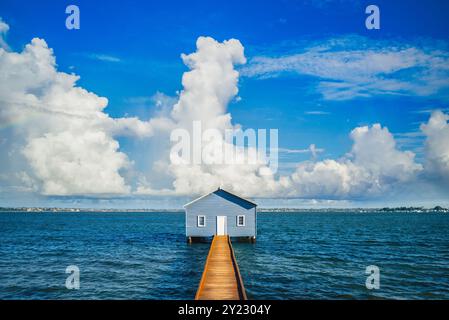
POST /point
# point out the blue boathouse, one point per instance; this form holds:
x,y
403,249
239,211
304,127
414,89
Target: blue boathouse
x,y
221,213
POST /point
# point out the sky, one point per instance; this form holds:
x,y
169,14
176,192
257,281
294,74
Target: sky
x,y
86,114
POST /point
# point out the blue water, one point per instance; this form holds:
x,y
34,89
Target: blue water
x,y
296,256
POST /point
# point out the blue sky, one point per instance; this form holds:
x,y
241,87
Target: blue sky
x,y
129,52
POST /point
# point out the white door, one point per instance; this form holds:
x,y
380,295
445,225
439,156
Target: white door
x,y
221,225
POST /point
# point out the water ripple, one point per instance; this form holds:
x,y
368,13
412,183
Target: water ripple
x,y
296,256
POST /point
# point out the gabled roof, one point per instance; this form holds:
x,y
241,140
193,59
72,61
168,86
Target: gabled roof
x,y
228,196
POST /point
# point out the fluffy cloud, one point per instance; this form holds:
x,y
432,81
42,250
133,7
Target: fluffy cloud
x,y
208,88
70,147
436,131
68,139
71,162
352,67
372,167
210,84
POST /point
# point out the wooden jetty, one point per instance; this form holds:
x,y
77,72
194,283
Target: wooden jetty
x,y
221,279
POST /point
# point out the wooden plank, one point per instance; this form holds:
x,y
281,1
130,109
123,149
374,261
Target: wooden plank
x,y
221,279
241,287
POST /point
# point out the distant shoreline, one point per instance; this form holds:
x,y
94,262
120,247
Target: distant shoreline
x,y
436,209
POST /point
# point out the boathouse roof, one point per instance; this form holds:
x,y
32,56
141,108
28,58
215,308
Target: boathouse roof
x,y
227,196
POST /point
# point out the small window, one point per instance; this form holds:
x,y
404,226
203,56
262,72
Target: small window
x,y
201,221
240,221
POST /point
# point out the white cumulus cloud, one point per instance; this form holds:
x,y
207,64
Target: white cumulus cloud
x,y
436,131
68,139
208,88
373,166
70,143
